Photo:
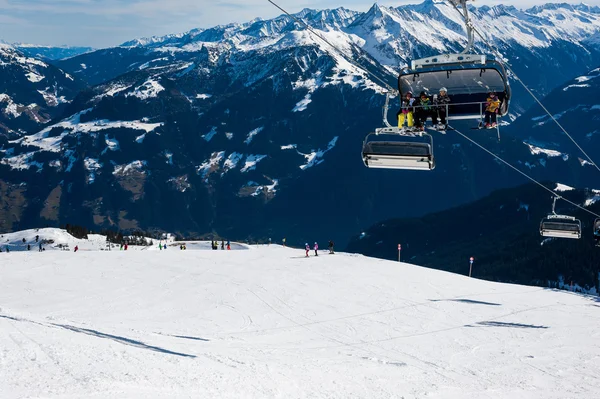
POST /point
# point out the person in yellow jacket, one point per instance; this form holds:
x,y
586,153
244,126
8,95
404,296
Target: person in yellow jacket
x,y
406,111
492,107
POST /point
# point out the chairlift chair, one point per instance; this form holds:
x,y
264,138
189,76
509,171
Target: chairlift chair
x,y
407,151
467,76
402,148
560,226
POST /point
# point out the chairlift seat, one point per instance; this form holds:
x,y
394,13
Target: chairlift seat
x,y
398,155
560,226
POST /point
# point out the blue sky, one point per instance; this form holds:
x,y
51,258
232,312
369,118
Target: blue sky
x,y
104,23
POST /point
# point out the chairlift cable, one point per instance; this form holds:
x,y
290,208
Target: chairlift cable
x,y
350,60
554,193
500,57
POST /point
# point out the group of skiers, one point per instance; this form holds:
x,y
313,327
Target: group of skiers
x,y
37,239
316,248
416,111
215,245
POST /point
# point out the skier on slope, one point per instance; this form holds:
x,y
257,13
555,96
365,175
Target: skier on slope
x,y
307,247
316,249
330,246
492,106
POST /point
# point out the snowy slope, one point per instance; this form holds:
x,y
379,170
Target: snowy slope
x,y
269,323
53,239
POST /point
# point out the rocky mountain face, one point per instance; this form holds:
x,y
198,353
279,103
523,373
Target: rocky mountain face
x,y
32,92
254,130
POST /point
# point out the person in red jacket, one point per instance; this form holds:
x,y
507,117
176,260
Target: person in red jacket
x,y
76,248
307,247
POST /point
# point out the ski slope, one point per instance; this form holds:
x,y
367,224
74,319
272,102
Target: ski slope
x,y
268,323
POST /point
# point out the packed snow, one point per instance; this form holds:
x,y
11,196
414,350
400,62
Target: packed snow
x,y
11,109
266,189
22,161
316,157
34,77
208,136
232,161
135,166
149,89
73,125
112,144
268,322
539,150
212,164
252,134
595,197
251,161
563,187
52,99
92,166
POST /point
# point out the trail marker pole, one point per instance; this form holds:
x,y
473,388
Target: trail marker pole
x,y
399,251
471,265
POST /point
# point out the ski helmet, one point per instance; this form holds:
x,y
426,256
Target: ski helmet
x,y
423,94
443,89
408,93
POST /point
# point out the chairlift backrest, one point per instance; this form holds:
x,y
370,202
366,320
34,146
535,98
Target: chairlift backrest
x,y
404,154
560,226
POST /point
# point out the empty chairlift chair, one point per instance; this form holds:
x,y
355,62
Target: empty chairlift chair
x,y
398,151
560,226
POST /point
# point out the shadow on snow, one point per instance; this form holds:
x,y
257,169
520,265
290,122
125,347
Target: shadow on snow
x,y
121,340
502,324
470,301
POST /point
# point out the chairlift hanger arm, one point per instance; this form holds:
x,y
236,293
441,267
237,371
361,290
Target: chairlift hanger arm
x,y
468,24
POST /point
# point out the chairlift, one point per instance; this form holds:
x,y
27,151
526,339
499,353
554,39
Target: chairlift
x,y
405,151
468,78
402,148
560,226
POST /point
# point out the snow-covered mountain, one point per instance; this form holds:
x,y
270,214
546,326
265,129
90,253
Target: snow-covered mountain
x,y
51,53
267,322
32,92
249,129
575,106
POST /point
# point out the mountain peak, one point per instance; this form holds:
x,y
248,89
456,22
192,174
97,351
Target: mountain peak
x,y
566,6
